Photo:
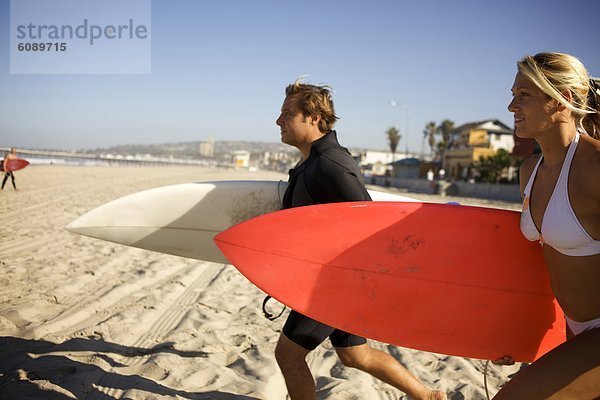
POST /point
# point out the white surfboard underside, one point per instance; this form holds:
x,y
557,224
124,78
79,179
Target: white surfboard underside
x,y
183,219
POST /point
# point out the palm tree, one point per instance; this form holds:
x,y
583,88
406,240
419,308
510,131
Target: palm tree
x,y
429,134
393,136
445,129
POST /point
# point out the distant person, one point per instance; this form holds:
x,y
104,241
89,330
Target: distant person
x,y
326,173
430,175
442,174
9,174
556,103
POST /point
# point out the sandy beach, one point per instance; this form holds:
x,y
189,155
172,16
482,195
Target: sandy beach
x,y
82,318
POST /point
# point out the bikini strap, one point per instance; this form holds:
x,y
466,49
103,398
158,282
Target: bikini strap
x,y
527,190
566,167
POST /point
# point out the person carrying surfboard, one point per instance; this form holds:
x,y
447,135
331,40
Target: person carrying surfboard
x,y
326,173
556,103
9,174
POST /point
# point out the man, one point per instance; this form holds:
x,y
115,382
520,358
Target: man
x,y
11,155
326,173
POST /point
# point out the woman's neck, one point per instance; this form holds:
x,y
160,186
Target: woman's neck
x,y
554,143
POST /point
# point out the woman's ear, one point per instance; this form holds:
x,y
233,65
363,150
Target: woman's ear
x,y
568,96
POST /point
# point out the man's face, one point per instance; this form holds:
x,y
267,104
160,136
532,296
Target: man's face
x,y
295,127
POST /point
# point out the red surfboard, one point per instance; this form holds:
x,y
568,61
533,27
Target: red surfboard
x,y
448,279
14,164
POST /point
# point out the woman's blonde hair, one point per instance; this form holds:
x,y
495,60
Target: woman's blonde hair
x,y
314,100
557,73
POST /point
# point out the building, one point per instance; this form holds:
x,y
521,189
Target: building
x,y
240,159
378,162
412,168
473,140
207,148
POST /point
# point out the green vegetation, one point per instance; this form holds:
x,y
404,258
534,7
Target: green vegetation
x,y
393,136
492,169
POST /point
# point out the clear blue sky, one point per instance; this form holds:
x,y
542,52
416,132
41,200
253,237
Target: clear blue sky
x,y
219,69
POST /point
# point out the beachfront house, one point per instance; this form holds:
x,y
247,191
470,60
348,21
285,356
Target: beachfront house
x,y
473,140
240,158
379,162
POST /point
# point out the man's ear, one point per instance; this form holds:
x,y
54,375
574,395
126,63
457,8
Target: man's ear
x,y
315,119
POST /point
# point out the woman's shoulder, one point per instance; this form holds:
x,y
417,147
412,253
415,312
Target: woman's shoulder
x,y
588,160
589,148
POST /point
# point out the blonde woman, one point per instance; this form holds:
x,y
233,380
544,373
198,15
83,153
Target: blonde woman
x,y
556,103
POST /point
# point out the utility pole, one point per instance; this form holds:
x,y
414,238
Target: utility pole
x,y
394,103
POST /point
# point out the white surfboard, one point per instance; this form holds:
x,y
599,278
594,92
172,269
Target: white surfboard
x,y
183,219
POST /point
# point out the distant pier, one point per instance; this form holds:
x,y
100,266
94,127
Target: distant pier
x,y
107,158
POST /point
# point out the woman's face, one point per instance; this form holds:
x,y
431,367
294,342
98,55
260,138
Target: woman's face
x,y
533,109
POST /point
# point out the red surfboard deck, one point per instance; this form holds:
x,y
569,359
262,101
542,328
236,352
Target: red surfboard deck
x,y
448,279
14,164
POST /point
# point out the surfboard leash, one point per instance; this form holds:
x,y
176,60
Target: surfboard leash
x,y
279,192
267,314
485,371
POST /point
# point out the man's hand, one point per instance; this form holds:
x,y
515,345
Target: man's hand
x,y
506,360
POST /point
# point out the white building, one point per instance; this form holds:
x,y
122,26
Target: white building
x,y
207,148
377,162
240,159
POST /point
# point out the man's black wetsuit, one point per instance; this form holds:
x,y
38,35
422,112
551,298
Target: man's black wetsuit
x,y
328,175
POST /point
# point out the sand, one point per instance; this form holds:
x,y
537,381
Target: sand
x,y
87,319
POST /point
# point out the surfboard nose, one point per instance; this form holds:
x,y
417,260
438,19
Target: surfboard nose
x,y
88,223
97,222
78,225
74,226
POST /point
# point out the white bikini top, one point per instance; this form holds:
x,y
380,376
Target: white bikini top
x,y
560,227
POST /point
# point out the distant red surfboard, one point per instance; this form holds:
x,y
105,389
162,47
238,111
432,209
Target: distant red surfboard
x,y
449,279
14,164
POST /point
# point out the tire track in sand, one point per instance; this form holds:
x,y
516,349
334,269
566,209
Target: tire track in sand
x,y
88,311
201,276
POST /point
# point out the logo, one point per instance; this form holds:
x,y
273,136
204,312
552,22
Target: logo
x,y
80,37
